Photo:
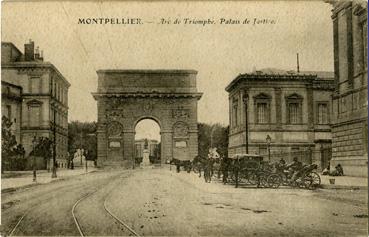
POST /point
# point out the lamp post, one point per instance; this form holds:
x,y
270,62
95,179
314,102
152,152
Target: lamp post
x,y
245,99
268,140
34,141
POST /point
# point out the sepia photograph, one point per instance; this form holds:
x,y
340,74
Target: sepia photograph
x,y
184,118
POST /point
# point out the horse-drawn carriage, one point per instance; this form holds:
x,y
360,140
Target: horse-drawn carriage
x,y
253,170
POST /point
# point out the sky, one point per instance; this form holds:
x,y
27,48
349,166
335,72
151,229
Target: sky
x,y
218,52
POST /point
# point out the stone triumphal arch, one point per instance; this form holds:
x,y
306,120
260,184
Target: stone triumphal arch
x,y
125,97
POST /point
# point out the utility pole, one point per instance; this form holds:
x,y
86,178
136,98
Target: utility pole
x,y
80,146
34,159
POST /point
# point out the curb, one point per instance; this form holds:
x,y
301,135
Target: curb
x,y
348,187
9,190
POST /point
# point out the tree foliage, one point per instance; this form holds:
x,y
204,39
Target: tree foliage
x,y
12,154
214,135
8,141
43,148
82,135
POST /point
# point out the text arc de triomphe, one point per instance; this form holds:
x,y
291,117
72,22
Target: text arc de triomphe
x,y
124,97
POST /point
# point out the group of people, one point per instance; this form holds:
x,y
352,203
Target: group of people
x,y
215,162
338,171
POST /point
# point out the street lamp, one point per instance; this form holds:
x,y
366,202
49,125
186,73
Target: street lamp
x,y
268,140
34,141
245,100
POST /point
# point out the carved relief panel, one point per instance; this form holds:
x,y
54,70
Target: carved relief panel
x,y
180,113
180,129
114,129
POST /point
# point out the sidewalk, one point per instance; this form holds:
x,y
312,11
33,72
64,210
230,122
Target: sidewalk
x,y
25,178
344,182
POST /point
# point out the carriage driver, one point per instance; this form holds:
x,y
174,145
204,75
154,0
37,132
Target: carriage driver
x,y
294,169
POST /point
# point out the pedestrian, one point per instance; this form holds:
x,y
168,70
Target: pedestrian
x,y
326,171
294,169
224,165
338,171
207,170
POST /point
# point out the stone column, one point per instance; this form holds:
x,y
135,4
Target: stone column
x,y
166,145
310,107
278,106
101,144
101,133
128,144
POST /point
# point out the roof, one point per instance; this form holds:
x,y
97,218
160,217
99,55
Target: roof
x,y
147,71
11,45
279,74
34,64
10,84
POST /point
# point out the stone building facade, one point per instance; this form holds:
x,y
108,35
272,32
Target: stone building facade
x,y
32,91
292,108
125,97
350,98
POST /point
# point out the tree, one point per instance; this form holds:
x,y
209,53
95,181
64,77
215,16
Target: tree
x,y
10,150
215,135
82,135
8,142
43,148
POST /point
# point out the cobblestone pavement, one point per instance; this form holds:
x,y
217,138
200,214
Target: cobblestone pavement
x,y
157,201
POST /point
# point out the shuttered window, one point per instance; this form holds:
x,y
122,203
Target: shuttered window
x,y
262,113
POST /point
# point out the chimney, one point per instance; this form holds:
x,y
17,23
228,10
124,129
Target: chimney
x,y
37,53
29,51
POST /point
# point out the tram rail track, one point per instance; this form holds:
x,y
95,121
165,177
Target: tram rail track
x,y
74,186
28,210
109,212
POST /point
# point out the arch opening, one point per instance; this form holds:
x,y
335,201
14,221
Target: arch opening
x,y
147,144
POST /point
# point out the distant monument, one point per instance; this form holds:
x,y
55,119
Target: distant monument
x,y
146,155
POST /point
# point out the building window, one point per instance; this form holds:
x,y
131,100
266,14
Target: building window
x,y
262,114
262,108
322,113
294,109
35,112
35,85
9,111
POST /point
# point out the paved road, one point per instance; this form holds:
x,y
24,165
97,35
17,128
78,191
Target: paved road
x,y
162,202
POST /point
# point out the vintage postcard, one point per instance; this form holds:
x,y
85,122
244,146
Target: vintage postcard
x,y
184,118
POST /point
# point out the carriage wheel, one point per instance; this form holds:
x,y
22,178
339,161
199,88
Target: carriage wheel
x,y
312,180
252,178
274,180
263,180
233,177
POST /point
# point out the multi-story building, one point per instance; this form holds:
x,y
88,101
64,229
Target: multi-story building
x,y
293,109
350,98
34,92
